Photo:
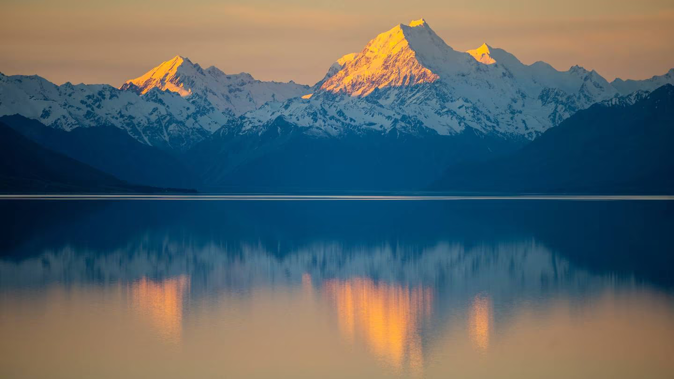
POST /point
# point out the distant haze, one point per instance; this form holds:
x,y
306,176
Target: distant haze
x,y
94,41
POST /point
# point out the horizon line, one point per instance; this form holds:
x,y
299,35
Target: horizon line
x,y
205,197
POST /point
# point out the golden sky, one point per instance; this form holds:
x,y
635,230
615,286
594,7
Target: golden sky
x,y
95,41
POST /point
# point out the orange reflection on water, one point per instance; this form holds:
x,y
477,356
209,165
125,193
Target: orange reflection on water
x,y
387,317
480,321
162,303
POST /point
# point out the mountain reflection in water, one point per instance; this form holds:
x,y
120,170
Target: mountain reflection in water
x,y
359,288
162,302
387,317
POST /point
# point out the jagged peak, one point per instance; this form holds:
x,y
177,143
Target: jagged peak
x,y
482,54
388,60
214,71
578,69
162,74
423,39
419,22
244,76
402,56
418,28
175,63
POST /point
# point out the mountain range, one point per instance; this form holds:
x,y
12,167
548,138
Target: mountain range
x,y
394,116
602,149
27,167
110,150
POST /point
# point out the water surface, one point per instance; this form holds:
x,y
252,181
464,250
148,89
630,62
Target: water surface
x,y
334,289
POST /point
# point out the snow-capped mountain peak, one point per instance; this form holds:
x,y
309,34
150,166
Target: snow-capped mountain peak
x,y
482,54
405,80
211,88
578,70
395,58
166,77
431,50
419,22
410,80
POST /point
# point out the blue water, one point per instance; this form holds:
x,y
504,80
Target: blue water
x,y
517,288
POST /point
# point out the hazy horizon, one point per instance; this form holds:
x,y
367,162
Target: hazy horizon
x,y
97,42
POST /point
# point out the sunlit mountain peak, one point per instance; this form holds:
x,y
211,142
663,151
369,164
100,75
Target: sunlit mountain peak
x,y
163,76
406,55
392,59
482,54
419,22
211,88
178,59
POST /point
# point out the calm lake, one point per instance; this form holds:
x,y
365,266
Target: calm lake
x,y
336,289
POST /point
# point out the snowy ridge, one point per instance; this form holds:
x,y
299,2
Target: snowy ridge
x,y
233,94
627,100
482,54
174,106
408,78
386,61
628,86
159,118
405,80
